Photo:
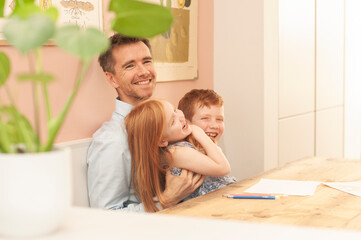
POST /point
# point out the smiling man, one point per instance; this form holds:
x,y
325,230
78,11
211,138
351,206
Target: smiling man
x,y
129,68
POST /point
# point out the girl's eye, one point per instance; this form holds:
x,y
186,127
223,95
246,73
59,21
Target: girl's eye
x,y
204,118
220,119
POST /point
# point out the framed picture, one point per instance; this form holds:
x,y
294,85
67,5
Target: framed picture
x,y
87,13
175,52
8,8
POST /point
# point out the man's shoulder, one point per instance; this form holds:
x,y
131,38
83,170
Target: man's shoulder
x,y
112,129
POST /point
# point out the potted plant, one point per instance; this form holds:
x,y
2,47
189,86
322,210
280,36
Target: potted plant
x,y
34,177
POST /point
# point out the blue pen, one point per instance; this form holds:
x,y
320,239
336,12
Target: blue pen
x,y
252,197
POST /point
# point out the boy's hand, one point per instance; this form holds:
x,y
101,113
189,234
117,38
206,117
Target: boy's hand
x,y
178,188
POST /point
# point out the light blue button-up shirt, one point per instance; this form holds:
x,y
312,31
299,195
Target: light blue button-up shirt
x,y
109,165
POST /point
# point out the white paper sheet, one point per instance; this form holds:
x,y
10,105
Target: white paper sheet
x,y
286,187
353,188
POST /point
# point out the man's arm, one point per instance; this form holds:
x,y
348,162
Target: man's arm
x,y
178,188
109,170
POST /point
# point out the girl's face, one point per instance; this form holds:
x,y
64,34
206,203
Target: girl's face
x,y
176,126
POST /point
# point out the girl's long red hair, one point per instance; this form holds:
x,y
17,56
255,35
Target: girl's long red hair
x,y
145,126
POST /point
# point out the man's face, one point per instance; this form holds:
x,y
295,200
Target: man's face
x,y
210,119
134,77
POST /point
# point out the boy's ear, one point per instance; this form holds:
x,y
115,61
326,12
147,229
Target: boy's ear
x,y
111,79
163,143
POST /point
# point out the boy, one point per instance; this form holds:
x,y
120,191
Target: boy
x,y
204,108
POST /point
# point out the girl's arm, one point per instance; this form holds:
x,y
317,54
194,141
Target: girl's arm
x,y
213,163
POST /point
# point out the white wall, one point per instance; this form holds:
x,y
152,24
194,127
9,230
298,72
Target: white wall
x,y
239,77
352,143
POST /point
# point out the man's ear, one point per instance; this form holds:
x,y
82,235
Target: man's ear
x,y
111,79
163,143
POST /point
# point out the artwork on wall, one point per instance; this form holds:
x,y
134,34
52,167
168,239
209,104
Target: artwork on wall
x,y
175,52
86,13
8,8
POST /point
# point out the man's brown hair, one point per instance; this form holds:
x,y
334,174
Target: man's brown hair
x,y
106,59
198,98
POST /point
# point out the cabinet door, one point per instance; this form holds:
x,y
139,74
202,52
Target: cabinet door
x,y
296,138
296,57
329,53
329,132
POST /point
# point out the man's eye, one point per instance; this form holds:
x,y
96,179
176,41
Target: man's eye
x,y
220,119
148,61
129,66
204,118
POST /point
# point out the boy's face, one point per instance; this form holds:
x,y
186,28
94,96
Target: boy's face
x,y
210,119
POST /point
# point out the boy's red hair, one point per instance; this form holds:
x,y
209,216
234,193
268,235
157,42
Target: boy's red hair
x,y
198,98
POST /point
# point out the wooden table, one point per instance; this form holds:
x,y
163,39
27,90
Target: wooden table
x,y
328,207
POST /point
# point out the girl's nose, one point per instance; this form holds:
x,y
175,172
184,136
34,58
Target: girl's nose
x,y
180,114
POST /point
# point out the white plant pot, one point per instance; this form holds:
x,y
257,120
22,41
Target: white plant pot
x,y
35,192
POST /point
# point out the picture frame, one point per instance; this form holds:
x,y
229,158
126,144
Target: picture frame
x,y
175,52
87,13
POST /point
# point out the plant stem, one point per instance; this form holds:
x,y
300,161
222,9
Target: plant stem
x,y
54,124
35,99
44,85
8,92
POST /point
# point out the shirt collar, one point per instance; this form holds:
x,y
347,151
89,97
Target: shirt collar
x,y
122,108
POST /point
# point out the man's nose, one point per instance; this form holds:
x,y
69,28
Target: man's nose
x,y
142,70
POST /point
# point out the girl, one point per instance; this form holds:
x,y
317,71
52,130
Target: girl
x,y
159,138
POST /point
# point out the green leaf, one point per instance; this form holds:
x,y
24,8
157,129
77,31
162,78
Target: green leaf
x,y
20,5
17,130
5,139
28,34
84,44
53,13
4,68
140,19
2,4
37,77
27,10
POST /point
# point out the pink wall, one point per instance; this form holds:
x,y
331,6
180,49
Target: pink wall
x,y
95,100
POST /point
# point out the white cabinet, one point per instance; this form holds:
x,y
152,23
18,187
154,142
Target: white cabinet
x,y
311,67
296,57
291,90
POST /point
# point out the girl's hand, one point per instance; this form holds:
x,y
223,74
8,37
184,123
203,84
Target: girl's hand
x,y
198,132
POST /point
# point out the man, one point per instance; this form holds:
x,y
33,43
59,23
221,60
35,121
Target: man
x,y
128,67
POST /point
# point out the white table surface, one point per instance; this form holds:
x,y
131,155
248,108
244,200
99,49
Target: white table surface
x,y
84,223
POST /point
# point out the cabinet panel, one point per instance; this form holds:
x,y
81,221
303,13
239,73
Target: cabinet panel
x,y
329,53
296,57
296,138
329,132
